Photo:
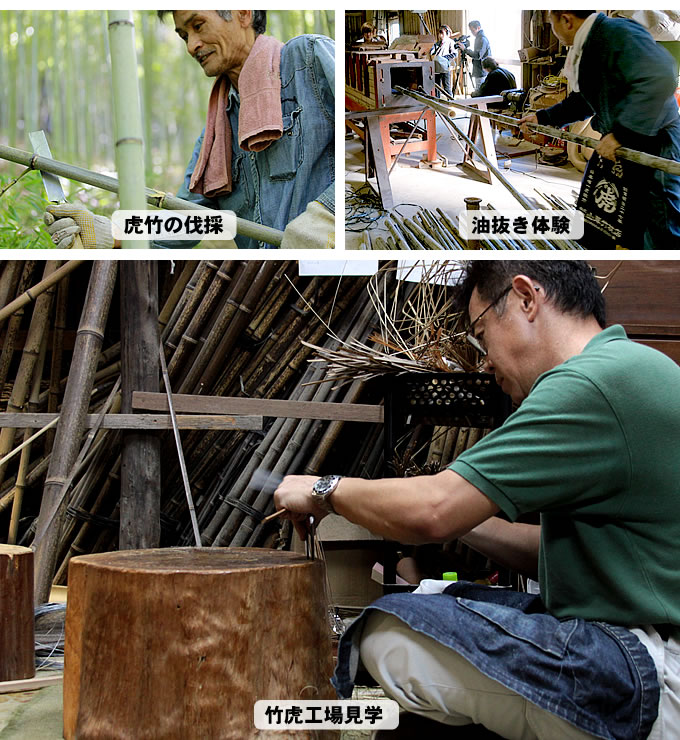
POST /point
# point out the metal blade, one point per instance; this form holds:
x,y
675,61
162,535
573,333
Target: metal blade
x,y
55,193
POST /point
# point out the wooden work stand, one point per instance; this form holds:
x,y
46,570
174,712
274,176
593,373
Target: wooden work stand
x,y
377,141
480,127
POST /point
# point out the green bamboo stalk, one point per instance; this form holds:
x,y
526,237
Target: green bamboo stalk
x,y
32,113
148,56
20,79
70,85
12,105
127,117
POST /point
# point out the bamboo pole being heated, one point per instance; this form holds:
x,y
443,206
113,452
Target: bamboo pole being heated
x,y
127,114
72,423
449,107
155,198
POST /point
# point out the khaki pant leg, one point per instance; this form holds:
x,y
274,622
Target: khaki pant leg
x,y
427,678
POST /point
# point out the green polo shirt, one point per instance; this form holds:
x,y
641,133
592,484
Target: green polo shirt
x,y
594,449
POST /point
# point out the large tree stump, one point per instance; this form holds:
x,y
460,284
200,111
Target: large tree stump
x,y
17,646
179,644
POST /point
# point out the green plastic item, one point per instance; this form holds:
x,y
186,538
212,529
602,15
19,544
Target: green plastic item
x,y
450,576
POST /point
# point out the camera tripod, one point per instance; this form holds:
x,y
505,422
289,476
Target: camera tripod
x,y
462,76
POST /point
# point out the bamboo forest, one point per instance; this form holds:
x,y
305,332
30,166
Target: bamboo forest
x,y
55,76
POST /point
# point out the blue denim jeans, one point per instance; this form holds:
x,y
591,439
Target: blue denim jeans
x,y
597,676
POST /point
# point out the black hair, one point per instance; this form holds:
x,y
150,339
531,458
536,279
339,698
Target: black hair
x,y
489,63
569,284
259,22
475,24
575,13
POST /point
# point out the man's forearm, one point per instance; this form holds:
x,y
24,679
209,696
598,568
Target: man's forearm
x,y
511,545
426,508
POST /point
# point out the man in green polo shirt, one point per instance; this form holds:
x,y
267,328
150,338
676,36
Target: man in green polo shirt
x,y
592,449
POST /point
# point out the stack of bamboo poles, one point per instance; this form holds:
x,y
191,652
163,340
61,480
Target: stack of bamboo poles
x,y
436,230
228,328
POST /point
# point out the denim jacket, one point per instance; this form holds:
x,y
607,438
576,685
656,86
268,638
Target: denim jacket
x,y
274,186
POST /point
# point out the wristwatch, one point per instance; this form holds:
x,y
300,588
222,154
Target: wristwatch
x,y
322,490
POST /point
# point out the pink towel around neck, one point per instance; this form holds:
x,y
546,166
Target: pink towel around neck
x,y
212,175
260,119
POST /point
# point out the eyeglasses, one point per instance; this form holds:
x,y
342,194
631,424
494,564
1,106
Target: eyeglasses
x,y
470,335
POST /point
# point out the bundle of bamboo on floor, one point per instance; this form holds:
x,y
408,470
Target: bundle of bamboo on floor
x,y
436,230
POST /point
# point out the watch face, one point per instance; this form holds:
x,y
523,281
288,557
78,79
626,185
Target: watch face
x,y
325,484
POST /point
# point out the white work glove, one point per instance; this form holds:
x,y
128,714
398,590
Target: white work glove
x,y
314,228
65,220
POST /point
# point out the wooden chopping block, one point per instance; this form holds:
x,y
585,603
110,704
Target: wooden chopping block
x,y
179,643
17,646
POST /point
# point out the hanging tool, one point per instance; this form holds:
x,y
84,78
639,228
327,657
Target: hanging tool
x,y
180,452
310,538
53,188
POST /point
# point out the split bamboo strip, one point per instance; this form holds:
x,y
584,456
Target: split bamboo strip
x,y
88,343
180,452
357,327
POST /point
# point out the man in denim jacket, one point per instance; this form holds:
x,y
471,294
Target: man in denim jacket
x,y
289,185
591,448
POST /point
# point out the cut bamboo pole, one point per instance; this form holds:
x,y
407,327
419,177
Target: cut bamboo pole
x,y
11,274
190,337
175,296
26,451
57,353
238,289
127,115
33,293
74,408
199,284
29,357
156,198
13,326
643,158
